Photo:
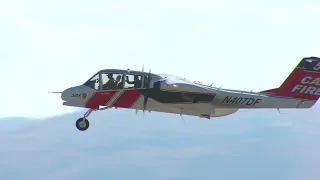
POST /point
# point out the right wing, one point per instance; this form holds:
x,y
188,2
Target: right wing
x,y
177,84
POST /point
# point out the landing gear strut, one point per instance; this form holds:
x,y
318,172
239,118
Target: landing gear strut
x,y
82,123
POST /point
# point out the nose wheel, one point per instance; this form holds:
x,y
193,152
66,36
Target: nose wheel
x,y
82,124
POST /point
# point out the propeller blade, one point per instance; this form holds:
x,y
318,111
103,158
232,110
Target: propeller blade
x,y
145,103
149,78
146,97
55,92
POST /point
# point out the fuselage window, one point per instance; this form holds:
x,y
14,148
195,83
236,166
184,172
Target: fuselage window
x,y
146,82
133,81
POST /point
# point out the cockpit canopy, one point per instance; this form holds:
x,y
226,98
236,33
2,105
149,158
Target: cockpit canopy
x,y
119,79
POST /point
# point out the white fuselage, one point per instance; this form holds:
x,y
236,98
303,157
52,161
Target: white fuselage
x,y
225,101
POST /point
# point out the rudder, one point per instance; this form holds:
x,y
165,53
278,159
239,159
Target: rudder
x,y
303,82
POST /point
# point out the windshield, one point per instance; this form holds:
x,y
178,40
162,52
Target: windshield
x,y
93,82
116,79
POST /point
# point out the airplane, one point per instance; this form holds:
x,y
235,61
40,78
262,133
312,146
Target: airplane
x,y
114,88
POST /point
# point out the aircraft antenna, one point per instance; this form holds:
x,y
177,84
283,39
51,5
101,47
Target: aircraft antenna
x,y
217,92
279,111
182,116
183,119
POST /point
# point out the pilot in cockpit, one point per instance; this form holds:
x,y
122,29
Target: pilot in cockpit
x,y
119,82
111,83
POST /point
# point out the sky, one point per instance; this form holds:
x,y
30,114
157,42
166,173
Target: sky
x,y
52,45
250,44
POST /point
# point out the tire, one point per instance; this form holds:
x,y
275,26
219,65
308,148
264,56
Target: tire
x,y
82,124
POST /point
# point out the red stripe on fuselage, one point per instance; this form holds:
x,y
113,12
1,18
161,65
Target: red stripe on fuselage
x,y
128,98
100,98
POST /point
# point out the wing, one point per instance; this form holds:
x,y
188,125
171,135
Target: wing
x,y
177,84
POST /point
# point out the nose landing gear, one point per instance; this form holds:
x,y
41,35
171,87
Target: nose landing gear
x,y
82,123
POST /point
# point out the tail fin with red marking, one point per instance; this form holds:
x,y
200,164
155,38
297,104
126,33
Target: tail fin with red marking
x,y
303,82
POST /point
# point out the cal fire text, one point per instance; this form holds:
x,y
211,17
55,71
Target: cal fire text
x,y
309,85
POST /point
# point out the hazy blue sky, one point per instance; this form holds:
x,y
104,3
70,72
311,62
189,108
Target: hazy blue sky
x,y
51,45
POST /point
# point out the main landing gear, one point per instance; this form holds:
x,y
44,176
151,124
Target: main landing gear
x,y
82,123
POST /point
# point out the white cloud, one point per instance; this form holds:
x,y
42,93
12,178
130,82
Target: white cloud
x,y
151,146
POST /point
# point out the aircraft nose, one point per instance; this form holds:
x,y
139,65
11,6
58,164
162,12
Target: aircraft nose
x,y
65,94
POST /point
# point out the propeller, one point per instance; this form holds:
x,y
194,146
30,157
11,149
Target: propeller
x,y
146,97
142,69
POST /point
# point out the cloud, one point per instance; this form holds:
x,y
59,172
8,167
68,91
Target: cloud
x,y
158,143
